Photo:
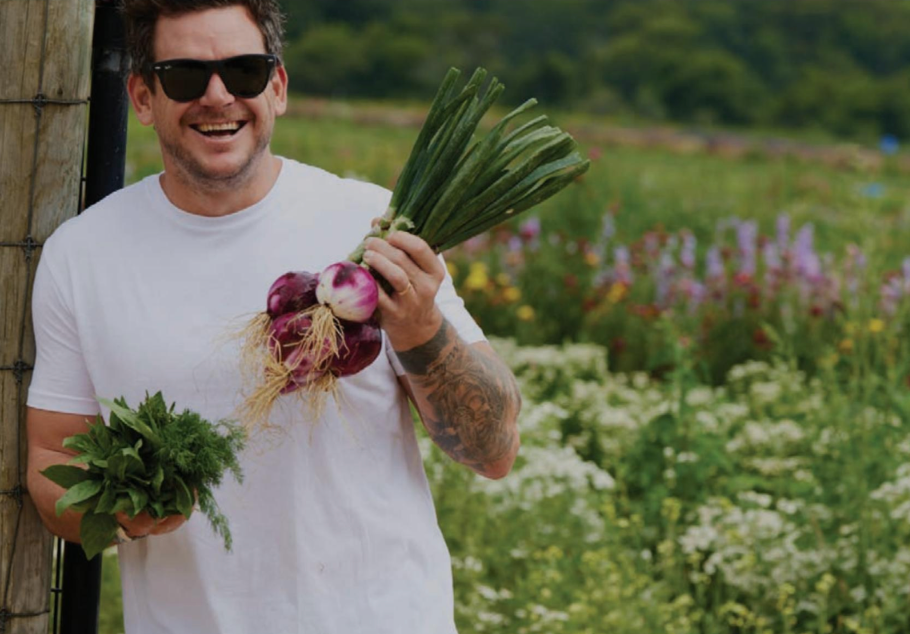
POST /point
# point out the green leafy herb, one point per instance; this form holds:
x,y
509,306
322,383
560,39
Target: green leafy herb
x,y
150,459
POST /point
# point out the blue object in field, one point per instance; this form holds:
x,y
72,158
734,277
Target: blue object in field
x,y
889,144
873,190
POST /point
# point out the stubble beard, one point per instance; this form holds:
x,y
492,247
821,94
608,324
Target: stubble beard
x,y
193,174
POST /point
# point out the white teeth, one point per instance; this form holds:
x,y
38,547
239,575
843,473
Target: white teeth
x,y
219,127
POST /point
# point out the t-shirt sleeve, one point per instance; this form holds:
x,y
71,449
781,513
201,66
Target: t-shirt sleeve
x,y
60,380
453,309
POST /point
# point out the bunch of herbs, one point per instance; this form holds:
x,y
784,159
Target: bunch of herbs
x,y
150,459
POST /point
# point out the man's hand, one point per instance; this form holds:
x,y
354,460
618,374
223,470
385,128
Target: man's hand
x,y
144,525
409,316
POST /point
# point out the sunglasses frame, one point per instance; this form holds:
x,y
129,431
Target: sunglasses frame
x,y
215,66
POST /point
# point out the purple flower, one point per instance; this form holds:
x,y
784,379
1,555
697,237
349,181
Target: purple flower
x,y
530,228
608,227
746,235
687,255
783,232
714,264
622,269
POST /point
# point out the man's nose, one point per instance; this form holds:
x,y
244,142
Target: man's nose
x,y
216,93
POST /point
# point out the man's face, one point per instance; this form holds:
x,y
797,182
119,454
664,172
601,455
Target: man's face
x,y
193,151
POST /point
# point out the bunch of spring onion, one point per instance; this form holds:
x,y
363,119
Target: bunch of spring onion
x,y
319,327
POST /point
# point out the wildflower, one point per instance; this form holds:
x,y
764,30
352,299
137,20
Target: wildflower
x,y
687,255
452,268
592,259
477,279
876,325
525,313
846,346
783,232
530,229
511,294
616,293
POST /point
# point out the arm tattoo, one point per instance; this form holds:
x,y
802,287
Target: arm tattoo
x,y
472,398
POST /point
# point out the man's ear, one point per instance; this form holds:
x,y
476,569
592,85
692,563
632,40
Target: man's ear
x,y
141,98
279,86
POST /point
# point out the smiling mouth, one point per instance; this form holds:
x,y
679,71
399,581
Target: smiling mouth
x,y
226,129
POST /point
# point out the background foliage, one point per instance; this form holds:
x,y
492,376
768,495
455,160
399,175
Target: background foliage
x,y
833,65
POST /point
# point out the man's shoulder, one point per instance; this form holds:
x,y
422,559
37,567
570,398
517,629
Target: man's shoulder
x,y
306,177
101,221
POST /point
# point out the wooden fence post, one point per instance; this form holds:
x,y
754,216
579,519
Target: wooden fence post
x,y
45,57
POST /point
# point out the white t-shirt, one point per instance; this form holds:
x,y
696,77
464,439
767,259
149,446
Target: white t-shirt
x,y
334,526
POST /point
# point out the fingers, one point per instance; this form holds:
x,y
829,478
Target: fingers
x,y
144,524
407,252
418,250
168,524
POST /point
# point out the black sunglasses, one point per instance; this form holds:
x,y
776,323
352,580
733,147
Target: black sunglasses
x,y
244,76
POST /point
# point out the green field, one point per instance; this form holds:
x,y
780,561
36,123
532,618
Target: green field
x,y
746,470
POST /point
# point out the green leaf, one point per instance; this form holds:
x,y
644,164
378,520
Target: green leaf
x,y
157,479
156,509
129,418
184,498
117,467
80,443
107,500
124,504
79,492
140,499
134,462
96,532
66,476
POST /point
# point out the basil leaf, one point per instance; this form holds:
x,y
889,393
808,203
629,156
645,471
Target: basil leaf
x,y
79,492
107,500
129,418
133,460
66,476
184,498
139,498
96,532
124,504
156,509
116,467
157,479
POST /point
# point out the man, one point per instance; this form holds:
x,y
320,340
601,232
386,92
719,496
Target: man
x,y
334,528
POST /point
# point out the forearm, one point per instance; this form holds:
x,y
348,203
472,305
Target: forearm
x,y
468,401
45,494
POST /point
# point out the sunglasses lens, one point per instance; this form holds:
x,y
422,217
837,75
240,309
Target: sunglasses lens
x,y
246,76
184,80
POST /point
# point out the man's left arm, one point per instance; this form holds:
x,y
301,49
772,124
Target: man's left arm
x,y
466,396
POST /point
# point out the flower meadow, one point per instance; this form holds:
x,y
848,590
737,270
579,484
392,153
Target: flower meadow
x,y
731,301
778,502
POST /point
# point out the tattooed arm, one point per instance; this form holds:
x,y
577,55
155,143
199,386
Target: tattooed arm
x,y
468,400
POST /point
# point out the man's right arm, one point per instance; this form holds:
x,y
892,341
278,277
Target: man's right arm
x,y
46,432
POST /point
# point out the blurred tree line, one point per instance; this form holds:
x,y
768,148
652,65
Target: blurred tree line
x,y
836,65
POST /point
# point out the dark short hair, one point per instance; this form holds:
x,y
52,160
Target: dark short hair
x,y
141,16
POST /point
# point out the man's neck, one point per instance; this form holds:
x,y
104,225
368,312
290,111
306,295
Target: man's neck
x,y
220,199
